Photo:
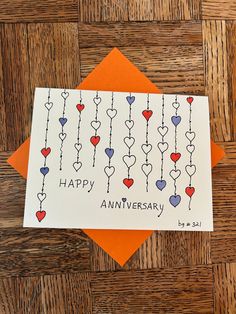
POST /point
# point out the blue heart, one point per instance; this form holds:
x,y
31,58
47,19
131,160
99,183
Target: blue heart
x,y
109,152
63,121
44,170
175,200
176,120
161,184
130,99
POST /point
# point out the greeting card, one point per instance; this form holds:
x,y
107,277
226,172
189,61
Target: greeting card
x,y
116,160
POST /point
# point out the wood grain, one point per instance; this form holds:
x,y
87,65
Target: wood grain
x,y
140,10
3,130
8,297
16,11
225,288
218,9
216,78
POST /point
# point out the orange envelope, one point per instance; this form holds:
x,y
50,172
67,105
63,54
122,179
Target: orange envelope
x,y
114,73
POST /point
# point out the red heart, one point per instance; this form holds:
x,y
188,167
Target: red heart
x,y
46,151
128,182
95,140
147,114
189,190
175,156
80,107
190,100
40,214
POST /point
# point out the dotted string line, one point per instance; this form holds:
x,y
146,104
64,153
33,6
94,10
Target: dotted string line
x,y
95,133
62,131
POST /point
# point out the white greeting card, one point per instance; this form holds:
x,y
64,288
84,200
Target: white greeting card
x,y
116,160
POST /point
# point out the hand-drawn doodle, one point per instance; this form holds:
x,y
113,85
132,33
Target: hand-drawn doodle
x,y
95,124
63,120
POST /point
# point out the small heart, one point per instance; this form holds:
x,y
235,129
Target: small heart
x,y
124,199
175,120
190,148
129,124
176,105
40,214
46,151
175,156
190,135
62,136
129,160
128,182
147,114
162,130
64,94
175,200
78,147
175,173
95,140
77,165
130,99
41,196
146,169
146,148
163,146
190,169
129,141
44,170
190,190
109,152
80,107
190,100
63,121
97,100
109,170
95,125
48,105
111,113
160,184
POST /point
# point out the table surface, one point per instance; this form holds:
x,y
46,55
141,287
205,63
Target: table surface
x,y
183,46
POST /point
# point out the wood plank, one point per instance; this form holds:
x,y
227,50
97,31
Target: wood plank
x,y
174,290
16,79
140,34
231,53
16,11
140,10
67,293
3,130
216,78
171,10
219,9
8,296
54,61
224,288
223,239
32,251
155,63
230,153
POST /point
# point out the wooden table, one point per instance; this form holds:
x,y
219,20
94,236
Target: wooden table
x,y
184,47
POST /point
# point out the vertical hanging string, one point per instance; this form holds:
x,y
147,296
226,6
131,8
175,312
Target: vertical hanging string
x,y
95,139
63,121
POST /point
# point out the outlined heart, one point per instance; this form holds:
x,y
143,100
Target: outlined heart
x,y
129,124
146,169
77,165
95,125
78,147
175,173
190,169
111,113
40,214
162,130
175,200
190,135
175,156
109,170
163,146
97,100
62,136
176,105
160,184
48,105
147,114
128,182
80,107
190,148
190,100
129,141
45,151
65,95
63,121
130,99
146,148
190,191
41,196
95,140
129,160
